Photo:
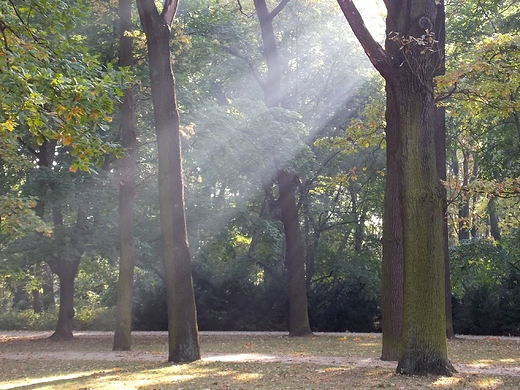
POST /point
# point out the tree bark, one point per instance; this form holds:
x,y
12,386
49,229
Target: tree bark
x,y
392,274
182,318
440,151
493,220
295,256
65,265
123,331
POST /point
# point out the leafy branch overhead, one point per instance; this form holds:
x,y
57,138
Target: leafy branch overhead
x,y
51,88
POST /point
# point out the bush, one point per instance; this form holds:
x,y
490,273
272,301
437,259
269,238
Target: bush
x,y
28,320
486,289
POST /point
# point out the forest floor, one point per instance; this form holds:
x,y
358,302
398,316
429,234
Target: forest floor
x,y
244,360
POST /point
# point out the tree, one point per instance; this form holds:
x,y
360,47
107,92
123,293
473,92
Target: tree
x,y
287,181
408,64
182,322
56,102
122,335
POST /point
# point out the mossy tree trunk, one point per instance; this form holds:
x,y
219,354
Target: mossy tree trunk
x,y
182,318
123,331
409,62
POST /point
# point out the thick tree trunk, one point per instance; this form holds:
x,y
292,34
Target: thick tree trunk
x,y
295,257
182,318
423,340
393,252
66,271
123,331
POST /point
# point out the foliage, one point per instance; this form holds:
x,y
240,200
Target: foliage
x,y
485,286
51,87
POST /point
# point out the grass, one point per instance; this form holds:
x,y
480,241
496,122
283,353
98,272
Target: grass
x,y
338,368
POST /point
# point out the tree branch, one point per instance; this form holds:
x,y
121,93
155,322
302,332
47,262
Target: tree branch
x,y
249,62
376,54
278,9
169,10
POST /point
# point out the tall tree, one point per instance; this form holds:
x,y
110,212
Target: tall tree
x,y
122,335
295,252
408,64
182,320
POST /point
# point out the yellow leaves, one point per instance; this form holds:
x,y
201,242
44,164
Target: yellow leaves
x,y
67,140
9,124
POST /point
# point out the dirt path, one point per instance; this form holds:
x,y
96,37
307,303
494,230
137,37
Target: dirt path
x,y
144,356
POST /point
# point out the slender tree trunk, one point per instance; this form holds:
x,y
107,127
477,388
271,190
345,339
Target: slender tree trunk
x,y
464,221
440,151
182,317
299,324
298,310
493,220
123,331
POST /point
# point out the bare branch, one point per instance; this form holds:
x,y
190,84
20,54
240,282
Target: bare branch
x,y
249,62
377,55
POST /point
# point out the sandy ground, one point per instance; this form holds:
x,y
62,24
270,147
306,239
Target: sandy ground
x,y
242,357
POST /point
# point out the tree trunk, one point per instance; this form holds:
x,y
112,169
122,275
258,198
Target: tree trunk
x,y
299,322
423,340
393,252
123,331
295,257
409,68
493,220
182,317
440,151
464,221
66,271
65,265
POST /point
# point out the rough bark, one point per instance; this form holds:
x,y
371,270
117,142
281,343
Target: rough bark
x,y
295,256
423,342
393,252
182,320
123,330
409,72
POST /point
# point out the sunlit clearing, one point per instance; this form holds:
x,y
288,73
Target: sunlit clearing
x,y
490,383
481,363
248,377
41,381
330,370
242,357
445,381
170,374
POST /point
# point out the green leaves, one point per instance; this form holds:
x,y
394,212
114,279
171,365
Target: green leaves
x,y
51,88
